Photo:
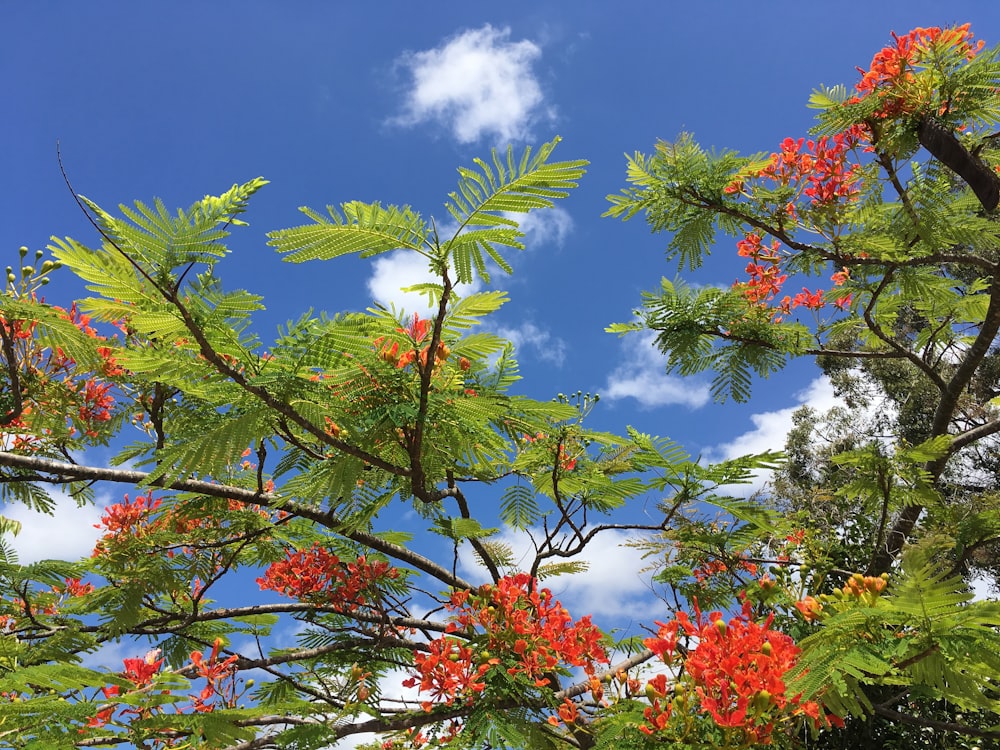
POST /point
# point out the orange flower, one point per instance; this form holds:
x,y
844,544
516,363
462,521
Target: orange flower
x,y
810,608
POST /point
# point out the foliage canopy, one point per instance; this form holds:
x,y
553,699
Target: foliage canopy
x,y
283,469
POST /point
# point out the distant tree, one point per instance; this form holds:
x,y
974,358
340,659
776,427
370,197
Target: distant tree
x,y
894,200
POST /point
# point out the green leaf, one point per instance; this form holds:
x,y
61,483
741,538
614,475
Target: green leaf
x,y
461,528
486,194
519,507
364,228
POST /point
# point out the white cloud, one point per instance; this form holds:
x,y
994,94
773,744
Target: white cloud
x,y
477,83
528,336
612,586
67,534
641,376
543,227
395,271
770,428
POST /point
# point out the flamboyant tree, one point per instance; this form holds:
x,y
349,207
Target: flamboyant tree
x,y
892,202
255,570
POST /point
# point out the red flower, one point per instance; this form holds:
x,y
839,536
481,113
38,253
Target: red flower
x,y
129,517
894,69
141,671
840,277
807,299
844,302
214,672
447,670
525,625
319,575
737,668
104,716
418,329
73,587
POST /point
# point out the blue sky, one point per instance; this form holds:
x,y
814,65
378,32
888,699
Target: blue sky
x,y
335,101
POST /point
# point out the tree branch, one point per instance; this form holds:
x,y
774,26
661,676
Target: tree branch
x,y
326,519
945,726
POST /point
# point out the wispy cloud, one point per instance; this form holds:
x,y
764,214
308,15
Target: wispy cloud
x,y
641,376
477,84
529,338
545,227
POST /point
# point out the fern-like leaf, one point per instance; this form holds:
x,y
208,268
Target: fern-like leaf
x,y
494,189
364,228
518,507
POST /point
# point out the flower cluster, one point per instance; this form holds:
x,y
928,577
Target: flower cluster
x,y
859,589
317,575
416,332
95,399
59,390
220,688
891,76
130,517
447,671
738,671
658,713
219,676
524,630
820,170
